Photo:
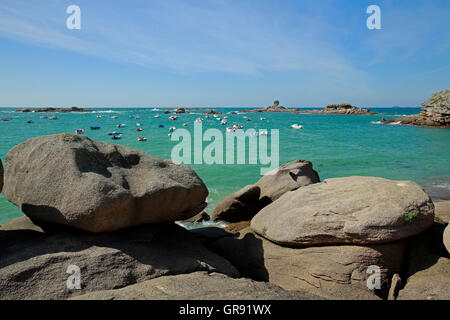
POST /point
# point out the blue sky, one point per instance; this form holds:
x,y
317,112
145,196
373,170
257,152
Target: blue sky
x,y
222,53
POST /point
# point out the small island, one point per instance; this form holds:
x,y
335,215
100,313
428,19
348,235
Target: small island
x,y
51,109
339,108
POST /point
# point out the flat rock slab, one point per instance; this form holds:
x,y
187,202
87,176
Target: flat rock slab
x,y
332,272
199,286
353,210
33,265
97,186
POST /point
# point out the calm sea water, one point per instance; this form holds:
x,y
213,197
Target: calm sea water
x,y
337,145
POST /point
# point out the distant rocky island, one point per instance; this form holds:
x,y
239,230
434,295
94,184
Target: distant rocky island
x,y
436,112
52,109
339,108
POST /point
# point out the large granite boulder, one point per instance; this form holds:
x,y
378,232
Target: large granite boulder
x,y
1,175
97,186
357,210
239,206
198,286
244,204
34,264
332,272
288,177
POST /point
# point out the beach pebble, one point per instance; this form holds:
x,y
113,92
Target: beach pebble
x,y
353,210
97,186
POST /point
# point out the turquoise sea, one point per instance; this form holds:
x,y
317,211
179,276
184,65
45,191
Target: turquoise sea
x,y
337,145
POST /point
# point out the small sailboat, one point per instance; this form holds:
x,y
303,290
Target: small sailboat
x,y
263,132
296,126
172,129
53,118
139,129
237,127
142,139
198,120
157,116
139,124
223,122
262,119
173,118
121,125
117,136
230,129
114,117
79,131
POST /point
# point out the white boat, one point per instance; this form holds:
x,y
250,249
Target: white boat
x,y
263,132
121,125
198,120
157,116
223,122
172,129
262,119
230,129
114,117
296,126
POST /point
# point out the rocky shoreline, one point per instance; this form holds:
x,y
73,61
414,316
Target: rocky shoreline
x,y
110,212
436,113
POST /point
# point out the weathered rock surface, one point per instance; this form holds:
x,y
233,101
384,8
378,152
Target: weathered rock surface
x,y
436,112
97,186
432,283
199,286
33,264
239,206
333,272
442,211
358,210
426,268
1,175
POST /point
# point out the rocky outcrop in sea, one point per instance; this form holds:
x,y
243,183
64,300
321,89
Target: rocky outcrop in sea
x,y
339,108
51,109
436,113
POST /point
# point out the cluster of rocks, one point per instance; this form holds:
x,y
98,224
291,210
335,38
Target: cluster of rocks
x,y
324,237
340,108
111,212
436,112
51,109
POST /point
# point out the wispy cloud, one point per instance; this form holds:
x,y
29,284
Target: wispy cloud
x,y
185,37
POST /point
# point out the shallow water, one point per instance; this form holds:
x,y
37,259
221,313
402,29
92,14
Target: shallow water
x,y
337,145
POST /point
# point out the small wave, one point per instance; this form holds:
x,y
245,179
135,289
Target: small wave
x,y
395,123
108,111
376,122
